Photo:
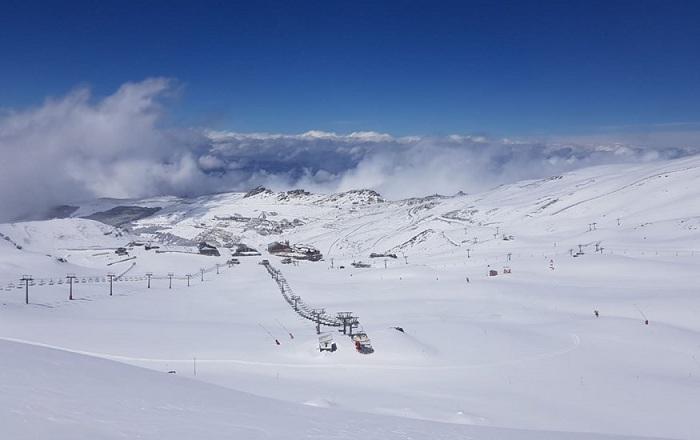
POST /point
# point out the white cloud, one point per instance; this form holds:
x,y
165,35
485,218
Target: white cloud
x,y
76,147
413,166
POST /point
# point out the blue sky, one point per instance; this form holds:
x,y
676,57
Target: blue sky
x,y
428,68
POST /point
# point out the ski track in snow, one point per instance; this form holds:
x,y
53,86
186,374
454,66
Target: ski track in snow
x,y
622,188
575,342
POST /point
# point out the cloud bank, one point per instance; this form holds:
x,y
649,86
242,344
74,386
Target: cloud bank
x,y
77,147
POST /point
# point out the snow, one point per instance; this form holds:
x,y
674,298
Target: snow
x,y
516,356
56,394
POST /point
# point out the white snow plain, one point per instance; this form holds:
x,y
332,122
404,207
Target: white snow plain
x,y
515,356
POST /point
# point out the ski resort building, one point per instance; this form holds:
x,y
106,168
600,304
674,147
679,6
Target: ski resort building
x,y
207,249
386,255
297,251
243,250
277,247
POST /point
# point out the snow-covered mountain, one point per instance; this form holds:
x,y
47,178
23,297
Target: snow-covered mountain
x,y
522,349
626,203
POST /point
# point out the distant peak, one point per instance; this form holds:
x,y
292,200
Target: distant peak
x,y
357,197
298,192
364,192
257,190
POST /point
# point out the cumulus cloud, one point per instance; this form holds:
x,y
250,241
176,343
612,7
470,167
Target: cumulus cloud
x,y
77,147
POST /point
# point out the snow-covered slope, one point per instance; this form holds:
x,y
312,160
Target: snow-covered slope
x,y
622,200
59,395
521,350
